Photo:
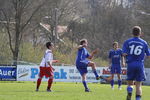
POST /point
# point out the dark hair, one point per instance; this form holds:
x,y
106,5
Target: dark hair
x,y
136,31
82,41
49,44
114,43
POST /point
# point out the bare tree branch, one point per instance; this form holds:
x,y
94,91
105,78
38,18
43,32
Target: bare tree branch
x,y
27,22
7,25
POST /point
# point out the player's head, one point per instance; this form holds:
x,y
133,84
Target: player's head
x,y
136,31
83,42
49,45
115,45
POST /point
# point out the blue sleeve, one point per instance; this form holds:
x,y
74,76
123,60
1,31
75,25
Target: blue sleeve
x,y
125,48
80,49
121,52
109,55
88,54
147,50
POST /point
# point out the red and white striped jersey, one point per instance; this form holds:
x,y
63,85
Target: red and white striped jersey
x,y
48,57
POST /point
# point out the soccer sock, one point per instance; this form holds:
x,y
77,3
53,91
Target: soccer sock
x,y
138,97
119,83
95,73
38,83
85,84
112,83
50,81
129,90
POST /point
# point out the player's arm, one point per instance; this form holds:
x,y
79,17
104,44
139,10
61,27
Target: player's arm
x,y
49,63
124,49
109,59
124,54
110,62
81,46
123,61
93,53
147,51
49,60
55,61
148,57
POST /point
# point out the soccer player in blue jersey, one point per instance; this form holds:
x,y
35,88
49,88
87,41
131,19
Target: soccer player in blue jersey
x,y
115,60
82,62
135,49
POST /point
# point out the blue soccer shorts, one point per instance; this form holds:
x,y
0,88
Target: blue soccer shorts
x,y
82,67
115,69
136,72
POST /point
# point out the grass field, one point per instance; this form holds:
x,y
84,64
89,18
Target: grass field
x,y
64,91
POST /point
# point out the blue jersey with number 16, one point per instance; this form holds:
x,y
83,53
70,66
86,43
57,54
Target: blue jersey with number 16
x,y
135,48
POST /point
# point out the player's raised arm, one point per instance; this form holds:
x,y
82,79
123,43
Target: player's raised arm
x,y
80,46
93,53
83,43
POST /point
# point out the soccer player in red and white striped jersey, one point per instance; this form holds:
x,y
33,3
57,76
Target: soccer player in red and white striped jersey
x,y
46,68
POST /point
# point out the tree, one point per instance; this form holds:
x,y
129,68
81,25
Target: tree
x,y
17,14
58,12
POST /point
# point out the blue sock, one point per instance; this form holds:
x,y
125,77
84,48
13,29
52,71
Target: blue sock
x,y
85,85
119,83
95,73
138,97
112,83
129,89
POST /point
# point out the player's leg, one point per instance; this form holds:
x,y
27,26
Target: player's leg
x,y
85,83
50,81
112,71
119,81
93,66
83,72
119,77
131,76
140,76
38,83
112,81
111,78
49,73
129,89
40,78
138,90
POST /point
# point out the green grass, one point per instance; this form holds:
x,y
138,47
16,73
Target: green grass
x,y
64,91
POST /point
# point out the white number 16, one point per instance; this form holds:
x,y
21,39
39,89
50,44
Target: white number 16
x,y
136,50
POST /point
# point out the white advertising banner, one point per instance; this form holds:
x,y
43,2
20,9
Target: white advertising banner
x,y
147,72
61,74
67,74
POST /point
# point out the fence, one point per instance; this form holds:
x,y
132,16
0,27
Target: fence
x,y
61,74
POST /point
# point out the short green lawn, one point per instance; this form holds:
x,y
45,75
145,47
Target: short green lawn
x,y
64,91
